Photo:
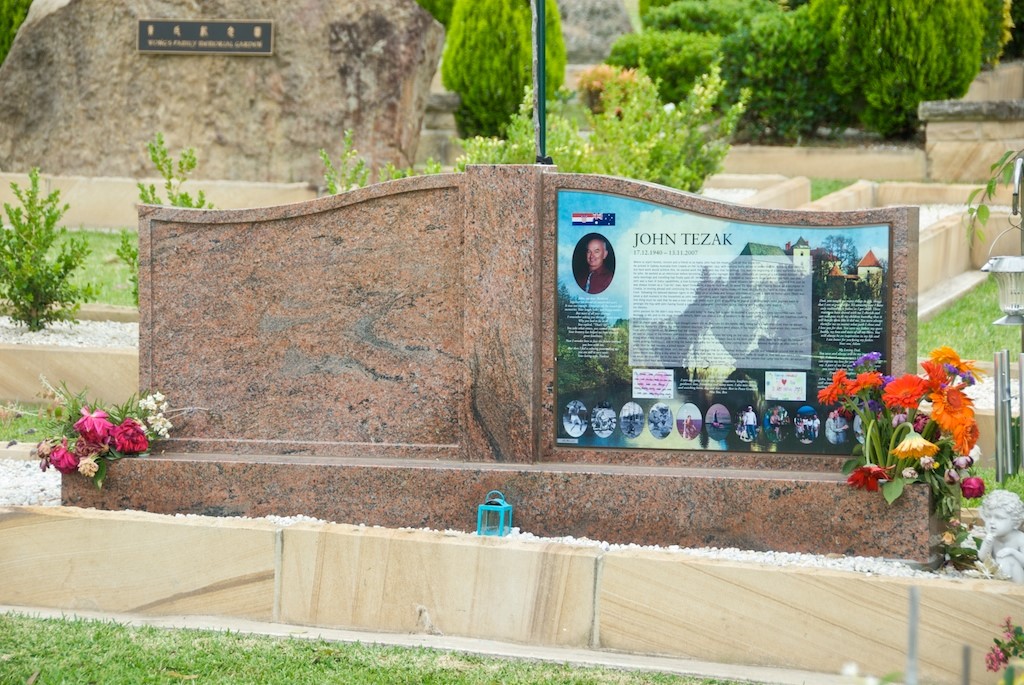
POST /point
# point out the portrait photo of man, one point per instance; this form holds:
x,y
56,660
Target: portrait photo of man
x,y
593,263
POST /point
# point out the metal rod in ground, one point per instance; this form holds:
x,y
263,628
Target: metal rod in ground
x,y
1003,423
1018,454
965,676
910,677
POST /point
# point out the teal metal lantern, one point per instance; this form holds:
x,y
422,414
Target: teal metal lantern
x,y
494,516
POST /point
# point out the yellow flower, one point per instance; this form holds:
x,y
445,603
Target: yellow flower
x,y
914,446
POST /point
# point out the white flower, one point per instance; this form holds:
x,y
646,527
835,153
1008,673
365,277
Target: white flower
x,y
160,425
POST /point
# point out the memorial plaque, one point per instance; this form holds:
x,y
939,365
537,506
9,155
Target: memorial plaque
x,y
172,36
682,331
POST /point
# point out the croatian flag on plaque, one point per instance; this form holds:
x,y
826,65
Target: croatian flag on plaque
x,y
593,219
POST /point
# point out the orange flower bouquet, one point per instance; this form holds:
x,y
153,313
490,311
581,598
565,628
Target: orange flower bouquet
x,y
913,429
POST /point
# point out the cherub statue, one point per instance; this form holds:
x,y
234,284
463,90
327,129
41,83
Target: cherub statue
x,y
1003,513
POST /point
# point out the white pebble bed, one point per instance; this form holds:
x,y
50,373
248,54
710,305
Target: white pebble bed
x,y
81,334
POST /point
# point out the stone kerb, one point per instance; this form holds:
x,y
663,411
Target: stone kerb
x,y
533,592
964,138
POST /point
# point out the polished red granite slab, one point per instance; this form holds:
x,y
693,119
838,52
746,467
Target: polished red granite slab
x,y
386,356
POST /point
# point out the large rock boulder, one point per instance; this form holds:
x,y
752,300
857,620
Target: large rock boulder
x,y
590,27
77,97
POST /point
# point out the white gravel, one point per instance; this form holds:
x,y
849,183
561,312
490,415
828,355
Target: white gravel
x,y
81,334
23,484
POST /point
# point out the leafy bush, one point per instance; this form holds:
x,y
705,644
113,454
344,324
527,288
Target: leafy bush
x,y
352,170
590,83
173,180
674,59
488,60
996,23
12,15
721,17
636,136
35,286
128,252
780,57
439,9
646,6
1015,48
890,56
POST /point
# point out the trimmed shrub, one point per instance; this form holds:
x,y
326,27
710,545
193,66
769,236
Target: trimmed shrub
x,y
646,6
38,260
890,56
439,9
674,59
1015,48
12,15
781,57
488,60
720,17
996,25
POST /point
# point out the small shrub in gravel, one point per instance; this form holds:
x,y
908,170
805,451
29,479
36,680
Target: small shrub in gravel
x,y
36,288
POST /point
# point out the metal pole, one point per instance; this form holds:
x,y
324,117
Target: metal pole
x,y
540,88
1017,455
1003,422
965,676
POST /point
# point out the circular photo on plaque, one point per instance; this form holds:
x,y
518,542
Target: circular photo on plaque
x,y
659,420
689,421
603,420
574,419
631,419
777,423
718,421
807,425
837,428
746,424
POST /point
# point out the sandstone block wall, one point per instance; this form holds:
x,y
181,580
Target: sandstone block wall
x,y
530,592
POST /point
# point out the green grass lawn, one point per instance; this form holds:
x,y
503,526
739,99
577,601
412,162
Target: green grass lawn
x,y
967,327
104,269
44,651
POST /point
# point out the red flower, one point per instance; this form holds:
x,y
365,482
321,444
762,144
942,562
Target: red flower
x,y
130,437
94,426
867,477
972,487
63,459
905,392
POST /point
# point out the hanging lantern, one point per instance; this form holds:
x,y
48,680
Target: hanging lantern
x,y
1009,275
494,516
